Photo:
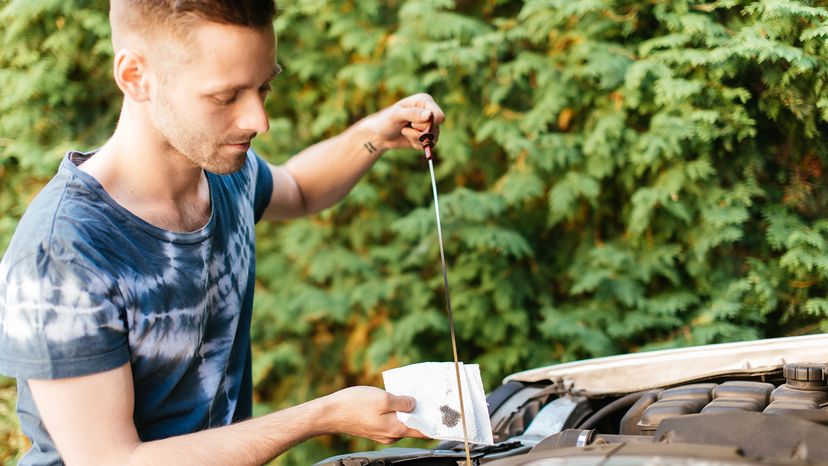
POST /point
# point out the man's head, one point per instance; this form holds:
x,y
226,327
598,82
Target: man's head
x,y
196,73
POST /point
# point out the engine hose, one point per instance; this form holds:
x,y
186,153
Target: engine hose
x,y
625,402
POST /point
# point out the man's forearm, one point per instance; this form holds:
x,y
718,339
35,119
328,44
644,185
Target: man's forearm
x,y
252,442
328,170
324,173
103,404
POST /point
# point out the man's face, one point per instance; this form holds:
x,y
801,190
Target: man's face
x,y
209,104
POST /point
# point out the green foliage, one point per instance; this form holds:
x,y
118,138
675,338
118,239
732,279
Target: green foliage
x,y
615,176
12,441
55,93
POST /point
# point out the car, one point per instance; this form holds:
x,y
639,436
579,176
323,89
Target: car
x,y
746,403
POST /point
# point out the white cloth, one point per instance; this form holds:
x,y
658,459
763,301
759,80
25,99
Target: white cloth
x,y
437,415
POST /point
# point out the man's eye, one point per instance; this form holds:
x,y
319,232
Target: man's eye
x,y
225,100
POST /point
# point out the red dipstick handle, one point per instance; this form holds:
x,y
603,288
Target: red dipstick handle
x,y
427,138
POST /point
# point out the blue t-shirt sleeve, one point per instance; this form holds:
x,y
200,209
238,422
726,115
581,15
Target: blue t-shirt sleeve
x,y
59,319
264,188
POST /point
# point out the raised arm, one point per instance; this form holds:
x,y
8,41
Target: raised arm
x,y
90,420
324,173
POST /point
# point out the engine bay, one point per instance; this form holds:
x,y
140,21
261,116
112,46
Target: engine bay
x,y
777,418
757,415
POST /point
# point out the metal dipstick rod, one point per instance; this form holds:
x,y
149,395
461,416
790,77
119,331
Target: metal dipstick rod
x,y
427,141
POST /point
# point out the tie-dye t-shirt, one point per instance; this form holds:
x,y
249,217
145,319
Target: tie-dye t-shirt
x,y
86,286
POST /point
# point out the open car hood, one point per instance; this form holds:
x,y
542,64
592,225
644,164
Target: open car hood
x,y
644,371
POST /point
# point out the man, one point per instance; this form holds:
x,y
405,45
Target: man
x,y
125,294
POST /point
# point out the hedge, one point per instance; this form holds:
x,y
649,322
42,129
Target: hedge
x,y
616,176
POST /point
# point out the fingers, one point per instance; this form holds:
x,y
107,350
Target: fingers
x,y
404,404
416,110
424,102
401,124
370,412
412,135
400,431
413,117
414,433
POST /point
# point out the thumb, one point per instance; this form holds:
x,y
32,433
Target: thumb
x,y
416,117
402,403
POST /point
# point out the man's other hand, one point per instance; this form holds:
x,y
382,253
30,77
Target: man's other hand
x,y
370,412
401,124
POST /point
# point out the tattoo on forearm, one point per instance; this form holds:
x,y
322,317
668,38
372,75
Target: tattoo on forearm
x,y
370,147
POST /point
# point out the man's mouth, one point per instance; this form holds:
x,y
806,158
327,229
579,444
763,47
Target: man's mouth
x,y
240,145
243,143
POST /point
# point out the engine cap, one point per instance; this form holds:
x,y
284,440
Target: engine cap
x,y
805,375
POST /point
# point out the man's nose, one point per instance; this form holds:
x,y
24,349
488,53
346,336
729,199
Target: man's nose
x,y
253,116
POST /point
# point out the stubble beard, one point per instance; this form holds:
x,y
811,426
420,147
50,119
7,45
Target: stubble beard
x,y
195,144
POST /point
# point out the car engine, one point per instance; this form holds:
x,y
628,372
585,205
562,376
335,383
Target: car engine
x,y
755,415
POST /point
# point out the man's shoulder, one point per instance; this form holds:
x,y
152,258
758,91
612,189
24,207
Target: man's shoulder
x,y
248,189
65,211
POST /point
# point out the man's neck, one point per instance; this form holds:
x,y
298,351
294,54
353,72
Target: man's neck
x,y
151,179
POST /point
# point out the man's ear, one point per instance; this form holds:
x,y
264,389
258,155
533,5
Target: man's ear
x,y
131,74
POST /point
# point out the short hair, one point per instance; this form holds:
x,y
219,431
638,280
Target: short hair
x,y
146,18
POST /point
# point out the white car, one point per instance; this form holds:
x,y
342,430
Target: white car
x,y
749,403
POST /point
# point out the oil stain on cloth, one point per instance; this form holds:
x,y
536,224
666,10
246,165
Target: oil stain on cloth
x,y
437,414
450,416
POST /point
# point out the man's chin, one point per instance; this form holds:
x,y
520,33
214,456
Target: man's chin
x,y
227,162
